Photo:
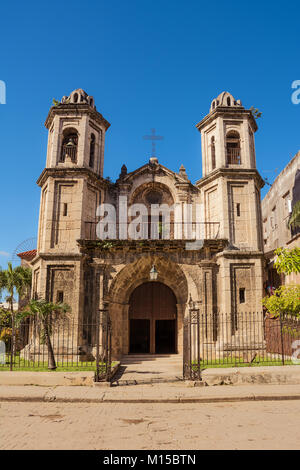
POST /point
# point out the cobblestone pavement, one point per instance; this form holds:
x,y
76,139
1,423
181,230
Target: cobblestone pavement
x,y
260,425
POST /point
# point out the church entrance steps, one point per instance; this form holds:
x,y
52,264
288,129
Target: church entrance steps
x,y
149,368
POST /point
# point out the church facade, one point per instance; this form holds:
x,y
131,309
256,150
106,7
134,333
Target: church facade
x,y
145,276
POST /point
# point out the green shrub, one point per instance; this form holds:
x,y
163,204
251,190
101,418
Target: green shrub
x,y
286,299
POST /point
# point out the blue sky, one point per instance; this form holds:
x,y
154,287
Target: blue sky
x,y
148,64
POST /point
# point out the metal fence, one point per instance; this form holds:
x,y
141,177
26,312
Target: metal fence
x,y
59,344
238,339
210,340
159,231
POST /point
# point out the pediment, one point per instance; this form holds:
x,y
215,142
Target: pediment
x,y
150,169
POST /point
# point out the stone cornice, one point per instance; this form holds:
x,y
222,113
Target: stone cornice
x,y
76,110
238,254
227,113
60,256
236,173
71,173
138,246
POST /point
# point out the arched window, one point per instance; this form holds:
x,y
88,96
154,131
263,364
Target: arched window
x,y
228,101
213,153
154,197
233,148
69,145
92,150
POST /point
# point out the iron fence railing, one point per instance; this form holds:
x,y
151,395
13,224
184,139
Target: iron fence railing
x,y
210,339
233,156
69,151
75,346
238,339
158,231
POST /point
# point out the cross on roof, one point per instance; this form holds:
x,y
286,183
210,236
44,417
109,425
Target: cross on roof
x,y
153,137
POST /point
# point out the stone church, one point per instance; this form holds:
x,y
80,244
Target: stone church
x,y
146,284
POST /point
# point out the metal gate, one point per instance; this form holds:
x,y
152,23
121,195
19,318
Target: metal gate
x,y
103,347
191,355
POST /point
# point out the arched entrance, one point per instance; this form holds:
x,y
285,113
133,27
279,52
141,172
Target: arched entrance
x,y
153,319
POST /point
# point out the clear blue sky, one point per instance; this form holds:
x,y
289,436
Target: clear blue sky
x,y
148,64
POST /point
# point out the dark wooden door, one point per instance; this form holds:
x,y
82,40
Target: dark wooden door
x,y
139,336
155,302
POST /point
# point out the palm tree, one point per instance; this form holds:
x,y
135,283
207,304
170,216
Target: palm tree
x,y
14,280
44,311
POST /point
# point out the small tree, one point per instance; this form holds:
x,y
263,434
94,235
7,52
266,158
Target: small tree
x,y
44,311
285,299
14,280
256,113
5,325
287,261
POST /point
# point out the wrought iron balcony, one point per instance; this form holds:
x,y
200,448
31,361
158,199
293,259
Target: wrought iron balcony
x,y
158,231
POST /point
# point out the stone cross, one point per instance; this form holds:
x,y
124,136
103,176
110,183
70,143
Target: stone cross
x,y
153,138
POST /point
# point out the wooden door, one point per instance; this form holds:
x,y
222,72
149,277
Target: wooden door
x,y
153,301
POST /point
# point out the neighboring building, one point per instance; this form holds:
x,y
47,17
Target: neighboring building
x,y
7,305
223,273
277,207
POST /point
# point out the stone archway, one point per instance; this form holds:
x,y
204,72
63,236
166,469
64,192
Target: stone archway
x,y
127,280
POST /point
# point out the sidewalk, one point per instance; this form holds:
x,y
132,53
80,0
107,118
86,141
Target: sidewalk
x,y
158,393
138,373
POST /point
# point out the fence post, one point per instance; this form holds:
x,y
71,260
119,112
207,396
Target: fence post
x,y
13,341
281,337
185,357
97,347
108,347
194,343
198,345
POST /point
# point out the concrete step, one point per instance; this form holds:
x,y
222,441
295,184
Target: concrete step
x,y
149,368
151,357
166,379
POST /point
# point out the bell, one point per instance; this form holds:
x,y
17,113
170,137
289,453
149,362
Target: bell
x,y
71,143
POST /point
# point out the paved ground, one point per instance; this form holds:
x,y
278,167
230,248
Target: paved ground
x,y
145,368
252,425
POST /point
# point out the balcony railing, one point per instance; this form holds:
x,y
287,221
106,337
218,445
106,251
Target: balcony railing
x,y
233,156
69,151
157,231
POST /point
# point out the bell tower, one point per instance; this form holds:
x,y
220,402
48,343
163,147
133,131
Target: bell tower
x,y
231,183
76,134
227,134
72,182
230,191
